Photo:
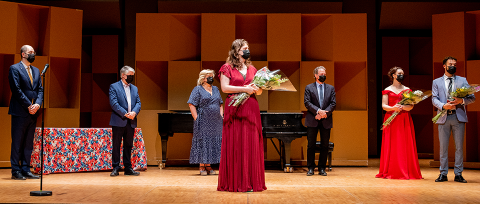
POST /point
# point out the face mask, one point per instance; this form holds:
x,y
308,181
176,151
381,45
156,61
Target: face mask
x,y
322,78
246,54
30,58
451,69
400,77
210,80
129,79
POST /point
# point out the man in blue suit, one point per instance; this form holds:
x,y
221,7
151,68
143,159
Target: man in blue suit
x,y
125,104
320,101
27,95
455,119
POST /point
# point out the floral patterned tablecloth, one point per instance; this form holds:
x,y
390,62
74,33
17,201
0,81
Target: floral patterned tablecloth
x,y
82,149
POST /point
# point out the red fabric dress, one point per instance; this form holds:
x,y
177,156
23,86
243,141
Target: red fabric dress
x,y
398,159
241,163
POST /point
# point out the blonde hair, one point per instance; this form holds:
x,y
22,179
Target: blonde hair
x,y
202,75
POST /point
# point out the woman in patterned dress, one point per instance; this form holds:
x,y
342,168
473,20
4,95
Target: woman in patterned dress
x,y
205,104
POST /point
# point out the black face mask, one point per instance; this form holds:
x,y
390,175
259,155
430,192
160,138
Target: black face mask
x,y
400,77
30,58
451,69
129,79
246,54
322,78
210,80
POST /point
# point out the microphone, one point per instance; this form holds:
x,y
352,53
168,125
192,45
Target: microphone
x,y
44,69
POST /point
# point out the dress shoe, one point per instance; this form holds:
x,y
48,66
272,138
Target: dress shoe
x,y
310,172
29,175
441,178
322,172
114,172
131,172
459,178
18,176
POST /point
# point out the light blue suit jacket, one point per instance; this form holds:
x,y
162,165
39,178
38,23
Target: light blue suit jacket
x,y
119,104
439,98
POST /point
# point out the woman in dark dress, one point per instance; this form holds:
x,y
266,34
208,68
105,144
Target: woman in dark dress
x,y
241,164
205,104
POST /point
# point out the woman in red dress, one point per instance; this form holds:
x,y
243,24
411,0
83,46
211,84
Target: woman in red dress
x,y
241,161
399,158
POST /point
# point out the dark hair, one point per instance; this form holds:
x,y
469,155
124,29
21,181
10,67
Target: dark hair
x,y
448,58
392,71
233,58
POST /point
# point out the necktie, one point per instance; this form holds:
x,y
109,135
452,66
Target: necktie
x,y
320,88
30,75
450,88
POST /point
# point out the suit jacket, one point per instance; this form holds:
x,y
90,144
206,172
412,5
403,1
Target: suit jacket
x,y
311,101
119,104
439,98
22,89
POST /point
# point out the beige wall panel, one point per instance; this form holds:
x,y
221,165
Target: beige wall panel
x,y
443,39
8,33
350,37
6,138
284,33
185,37
317,37
33,28
306,76
65,32
148,122
152,37
218,33
351,85
62,118
152,82
182,78
350,135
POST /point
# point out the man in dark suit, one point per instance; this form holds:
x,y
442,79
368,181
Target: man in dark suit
x,y
319,99
27,95
125,104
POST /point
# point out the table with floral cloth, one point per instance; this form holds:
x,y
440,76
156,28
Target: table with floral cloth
x,y
82,149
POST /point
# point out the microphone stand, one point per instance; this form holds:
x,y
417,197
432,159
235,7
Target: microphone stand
x,y
42,192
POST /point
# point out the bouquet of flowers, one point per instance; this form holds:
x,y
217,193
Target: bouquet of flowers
x,y
408,98
267,80
461,92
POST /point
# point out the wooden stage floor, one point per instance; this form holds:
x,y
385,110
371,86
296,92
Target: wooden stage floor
x,y
185,185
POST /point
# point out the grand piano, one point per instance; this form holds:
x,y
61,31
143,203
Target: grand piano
x,y
286,127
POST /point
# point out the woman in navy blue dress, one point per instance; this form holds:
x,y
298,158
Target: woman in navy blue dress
x,y
205,104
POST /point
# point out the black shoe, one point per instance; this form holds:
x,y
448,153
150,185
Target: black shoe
x,y
131,172
29,175
441,178
18,176
322,172
459,178
310,172
114,172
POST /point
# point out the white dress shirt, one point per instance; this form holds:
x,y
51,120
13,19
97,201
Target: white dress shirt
x,y
126,87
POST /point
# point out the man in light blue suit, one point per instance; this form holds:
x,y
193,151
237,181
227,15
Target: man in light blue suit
x,y
125,104
455,119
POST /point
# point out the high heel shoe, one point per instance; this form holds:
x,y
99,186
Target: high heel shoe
x,y
203,172
210,171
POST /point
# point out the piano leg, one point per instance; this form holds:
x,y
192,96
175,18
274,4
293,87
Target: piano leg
x,y
287,144
164,151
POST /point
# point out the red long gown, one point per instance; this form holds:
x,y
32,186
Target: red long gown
x,y
241,163
399,159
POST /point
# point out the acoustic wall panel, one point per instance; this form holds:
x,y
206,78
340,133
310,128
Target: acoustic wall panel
x,y
152,82
284,33
317,37
253,28
185,37
8,33
350,37
152,26
351,85
64,26
32,28
182,78
218,33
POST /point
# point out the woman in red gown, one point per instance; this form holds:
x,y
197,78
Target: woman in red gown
x,y
241,161
398,159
